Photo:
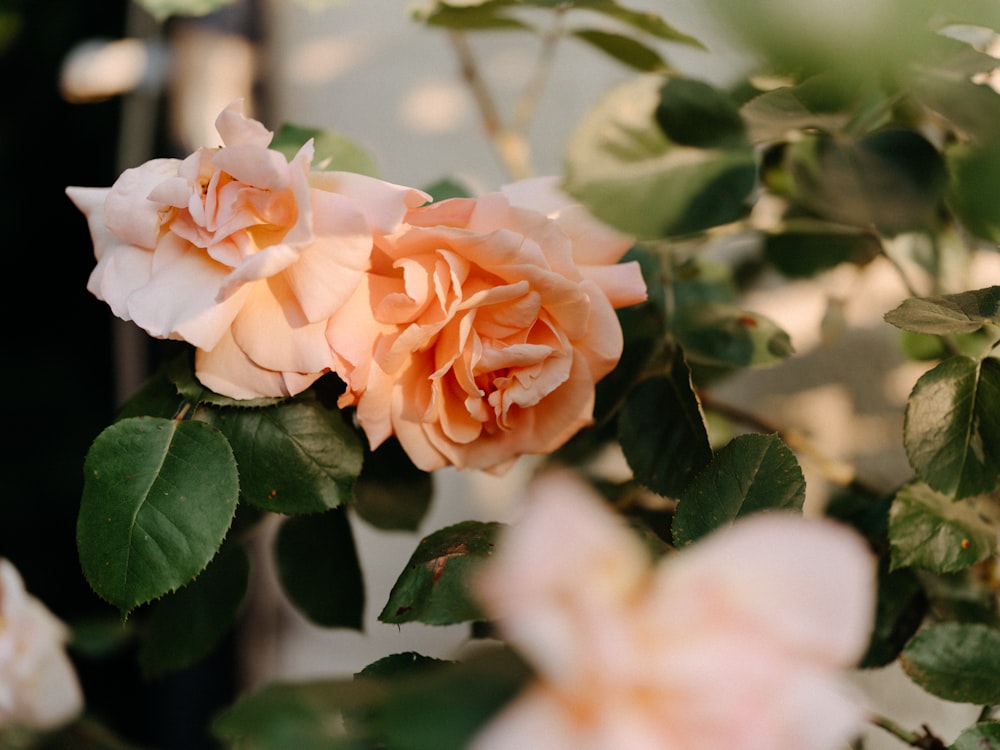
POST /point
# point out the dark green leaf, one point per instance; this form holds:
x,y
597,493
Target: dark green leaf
x,y
983,736
317,564
752,473
392,494
900,610
443,707
952,427
158,499
185,626
958,662
893,180
726,336
298,456
433,587
801,249
446,188
158,397
693,113
950,313
624,49
333,151
401,664
624,169
662,431
931,531
180,371
974,173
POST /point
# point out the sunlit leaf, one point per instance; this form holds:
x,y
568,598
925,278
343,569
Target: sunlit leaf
x,y
958,662
433,587
163,9
949,313
932,531
952,428
752,473
625,170
317,564
662,431
297,456
184,627
158,499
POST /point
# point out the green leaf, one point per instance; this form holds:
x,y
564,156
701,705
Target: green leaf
x,y
643,20
931,531
317,564
185,626
624,49
392,494
448,187
820,103
180,371
899,612
623,168
752,473
957,662
432,588
974,172
727,336
662,431
158,499
693,113
982,736
297,456
164,9
333,152
893,180
488,14
949,313
801,248
442,707
304,715
951,430
157,397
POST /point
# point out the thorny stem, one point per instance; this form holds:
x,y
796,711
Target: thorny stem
x,y
924,740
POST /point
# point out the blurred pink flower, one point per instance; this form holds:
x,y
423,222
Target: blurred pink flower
x,y
239,252
38,684
483,325
741,641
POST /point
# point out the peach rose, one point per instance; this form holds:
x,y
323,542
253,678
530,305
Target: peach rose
x,y
740,641
38,684
483,325
239,252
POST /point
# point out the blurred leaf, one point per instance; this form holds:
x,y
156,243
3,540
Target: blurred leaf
x,y
958,662
643,20
442,707
933,532
662,431
893,179
624,169
899,612
624,49
158,499
488,14
952,427
982,736
163,9
752,473
974,173
726,336
446,188
949,313
693,113
298,456
432,588
401,664
820,103
801,248
184,627
333,152
392,494
317,563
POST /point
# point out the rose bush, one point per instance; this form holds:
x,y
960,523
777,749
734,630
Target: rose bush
x,y
740,641
239,252
38,683
480,330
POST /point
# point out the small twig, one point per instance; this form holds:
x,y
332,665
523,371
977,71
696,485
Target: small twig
x,y
924,740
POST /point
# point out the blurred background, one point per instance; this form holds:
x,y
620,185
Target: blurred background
x,y
94,88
